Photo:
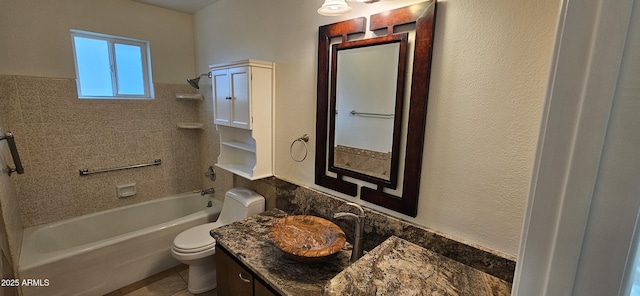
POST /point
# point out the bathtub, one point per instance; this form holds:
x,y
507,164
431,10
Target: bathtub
x,y
101,252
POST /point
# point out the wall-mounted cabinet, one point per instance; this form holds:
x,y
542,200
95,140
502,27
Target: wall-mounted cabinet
x,y
243,94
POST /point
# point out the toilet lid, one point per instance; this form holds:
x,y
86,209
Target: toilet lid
x,y
195,239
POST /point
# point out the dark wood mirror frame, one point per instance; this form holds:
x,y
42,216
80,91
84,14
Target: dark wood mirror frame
x,y
423,15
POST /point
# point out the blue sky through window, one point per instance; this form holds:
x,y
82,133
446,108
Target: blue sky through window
x,y
129,69
111,67
94,68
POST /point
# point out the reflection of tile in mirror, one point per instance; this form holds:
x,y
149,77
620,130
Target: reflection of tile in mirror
x,y
373,163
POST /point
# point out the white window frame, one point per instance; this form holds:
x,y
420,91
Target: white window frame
x,y
112,40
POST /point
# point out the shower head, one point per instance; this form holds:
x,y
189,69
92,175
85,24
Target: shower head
x,y
194,81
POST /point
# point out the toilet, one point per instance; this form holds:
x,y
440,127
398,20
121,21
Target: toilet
x,y
195,246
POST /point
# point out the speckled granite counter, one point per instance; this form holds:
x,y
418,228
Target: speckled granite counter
x,y
248,241
395,267
398,267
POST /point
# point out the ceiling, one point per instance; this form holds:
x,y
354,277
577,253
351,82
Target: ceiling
x,y
188,6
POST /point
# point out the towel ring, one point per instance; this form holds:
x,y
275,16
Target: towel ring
x,y
304,139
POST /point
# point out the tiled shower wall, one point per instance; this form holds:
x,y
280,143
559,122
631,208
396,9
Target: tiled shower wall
x,y
210,144
57,134
10,224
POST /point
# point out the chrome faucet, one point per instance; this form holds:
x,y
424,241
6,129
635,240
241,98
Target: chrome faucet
x,y
357,251
208,191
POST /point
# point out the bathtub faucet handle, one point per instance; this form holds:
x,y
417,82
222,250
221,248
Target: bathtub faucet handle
x,y
208,191
210,173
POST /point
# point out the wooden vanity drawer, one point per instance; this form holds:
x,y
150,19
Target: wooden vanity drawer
x,y
234,279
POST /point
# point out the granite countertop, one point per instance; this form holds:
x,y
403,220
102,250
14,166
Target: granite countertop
x,y
248,240
394,267
400,267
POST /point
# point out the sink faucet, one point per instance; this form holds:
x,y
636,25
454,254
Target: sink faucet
x,y
207,191
357,241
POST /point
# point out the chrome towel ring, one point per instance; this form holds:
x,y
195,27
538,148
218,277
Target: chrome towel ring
x,y
304,139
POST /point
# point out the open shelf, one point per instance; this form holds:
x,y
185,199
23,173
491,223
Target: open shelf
x,y
239,169
190,125
198,97
240,145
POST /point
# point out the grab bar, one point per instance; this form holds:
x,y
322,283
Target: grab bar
x,y
354,112
84,172
14,154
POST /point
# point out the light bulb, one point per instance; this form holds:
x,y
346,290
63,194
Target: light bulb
x,y
334,8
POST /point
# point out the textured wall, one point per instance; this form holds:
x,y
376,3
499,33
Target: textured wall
x,y
490,65
58,134
36,40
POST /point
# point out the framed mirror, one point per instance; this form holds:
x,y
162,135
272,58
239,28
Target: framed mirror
x,y
341,96
366,100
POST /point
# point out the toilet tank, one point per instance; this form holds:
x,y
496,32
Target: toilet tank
x,y
240,203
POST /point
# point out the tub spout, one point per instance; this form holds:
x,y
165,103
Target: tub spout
x,y
207,191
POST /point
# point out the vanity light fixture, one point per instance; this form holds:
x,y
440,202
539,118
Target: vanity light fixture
x,y
334,8
339,7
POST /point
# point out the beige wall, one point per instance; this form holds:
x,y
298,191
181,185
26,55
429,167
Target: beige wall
x,y
490,65
36,40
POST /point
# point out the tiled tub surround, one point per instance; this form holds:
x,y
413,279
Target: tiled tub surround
x,y
300,200
57,134
10,224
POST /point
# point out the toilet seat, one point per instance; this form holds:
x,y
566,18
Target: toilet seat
x,y
195,239
194,250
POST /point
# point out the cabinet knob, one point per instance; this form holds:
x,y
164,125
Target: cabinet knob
x,y
228,98
241,276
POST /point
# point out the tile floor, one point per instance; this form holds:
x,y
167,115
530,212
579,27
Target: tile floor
x,y
172,282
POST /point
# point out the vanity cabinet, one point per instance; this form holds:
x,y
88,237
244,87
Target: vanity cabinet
x,y
243,94
235,280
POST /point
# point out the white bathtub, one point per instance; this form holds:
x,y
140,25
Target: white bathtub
x,y
99,253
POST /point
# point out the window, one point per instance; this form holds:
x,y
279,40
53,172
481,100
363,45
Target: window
x,y
111,67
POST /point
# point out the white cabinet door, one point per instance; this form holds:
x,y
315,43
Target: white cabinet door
x,y
240,97
221,97
232,97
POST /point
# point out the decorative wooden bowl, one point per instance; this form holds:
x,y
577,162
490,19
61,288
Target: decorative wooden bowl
x,y
307,239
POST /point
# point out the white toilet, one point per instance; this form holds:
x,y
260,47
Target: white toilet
x,y
195,246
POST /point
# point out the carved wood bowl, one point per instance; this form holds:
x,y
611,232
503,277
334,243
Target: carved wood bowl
x,y
307,239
